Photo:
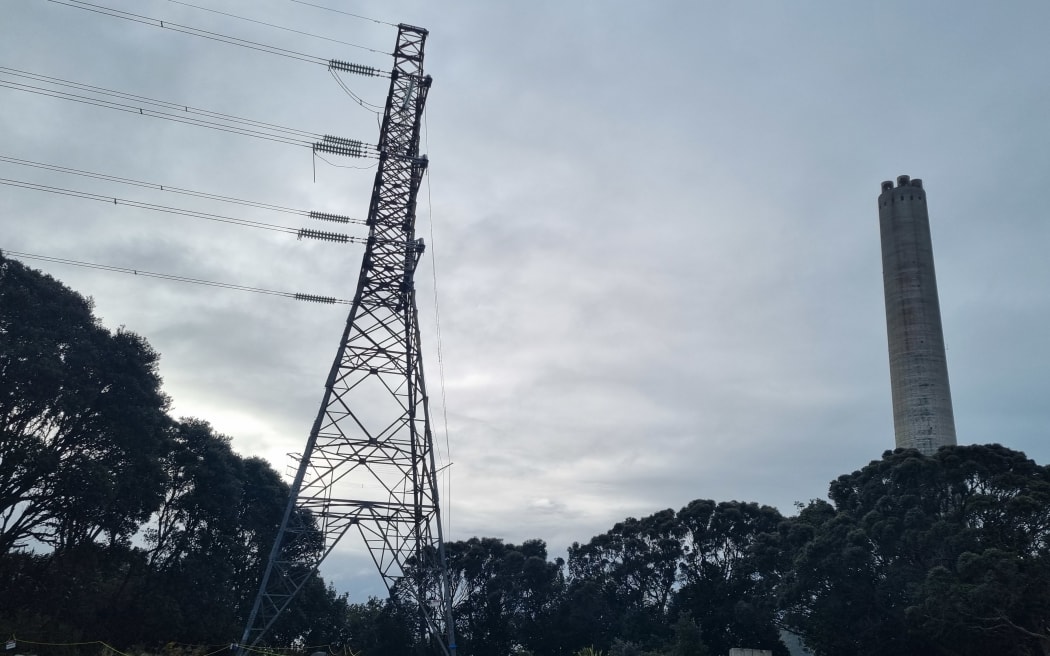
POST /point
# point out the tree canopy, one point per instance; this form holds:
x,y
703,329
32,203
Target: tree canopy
x,y
918,555
82,418
114,517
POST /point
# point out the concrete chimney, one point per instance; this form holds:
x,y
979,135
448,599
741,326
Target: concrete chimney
x,y
922,400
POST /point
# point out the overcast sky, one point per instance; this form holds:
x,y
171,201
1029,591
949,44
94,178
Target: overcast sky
x,y
653,226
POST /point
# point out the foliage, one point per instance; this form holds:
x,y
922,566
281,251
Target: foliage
x,y
504,594
687,638
82,418
729,572
379,628
90,460
709,560
923,553
629,573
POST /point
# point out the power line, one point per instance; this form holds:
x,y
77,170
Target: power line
x,y
257,129
281,27
149,206
207,216
375,109
193,31
437,328
108,104
182,108
177,190
346,166
167,276
345,13
166,104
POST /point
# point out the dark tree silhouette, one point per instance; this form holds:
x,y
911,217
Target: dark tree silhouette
x,y
82,418
927,554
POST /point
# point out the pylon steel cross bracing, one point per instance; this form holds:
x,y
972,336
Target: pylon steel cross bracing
x,y
369,461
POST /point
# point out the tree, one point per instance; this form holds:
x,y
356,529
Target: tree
x,y
638,559
687,638
717,562
991,599
635,566
925,553
209,541
82,418
89,459
504,595
728,573
379,628
203,486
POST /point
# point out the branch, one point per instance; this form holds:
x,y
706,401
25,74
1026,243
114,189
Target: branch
x,y
1004,622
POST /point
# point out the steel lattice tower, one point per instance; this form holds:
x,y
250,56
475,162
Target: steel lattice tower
x,y
369,460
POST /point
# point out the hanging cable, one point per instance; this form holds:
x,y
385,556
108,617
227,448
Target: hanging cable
x,y
184,111
330,300
186,192
345,13
376,109
257,129
147,185
437,328
346,166
280,27
121,107
193,31
246,223
165,104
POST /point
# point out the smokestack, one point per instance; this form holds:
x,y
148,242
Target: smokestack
x,y
922,400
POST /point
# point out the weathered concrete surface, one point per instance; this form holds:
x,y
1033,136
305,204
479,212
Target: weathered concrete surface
x,y
922,400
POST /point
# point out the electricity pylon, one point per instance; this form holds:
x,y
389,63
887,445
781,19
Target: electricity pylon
x,y
369,459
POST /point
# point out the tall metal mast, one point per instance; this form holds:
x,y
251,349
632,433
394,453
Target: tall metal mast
x,y
369,460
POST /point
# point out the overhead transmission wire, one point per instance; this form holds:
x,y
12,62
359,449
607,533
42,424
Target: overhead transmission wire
x,y
281,27
108,104
335,145
166,104
232,124
194,31
150,206
314,298
301,233
347,166
332,64
437,328
324,216
345,13
372,107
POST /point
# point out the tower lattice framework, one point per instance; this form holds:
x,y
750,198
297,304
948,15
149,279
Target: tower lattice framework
x,y
369,461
